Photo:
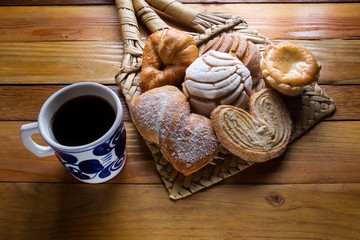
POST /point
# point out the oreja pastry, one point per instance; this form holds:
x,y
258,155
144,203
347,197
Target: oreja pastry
x,y
238,46
167,53
258,136
162,115
215,79
289,68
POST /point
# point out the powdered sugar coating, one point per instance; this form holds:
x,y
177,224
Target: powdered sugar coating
x,y
188,141
217,78
147,111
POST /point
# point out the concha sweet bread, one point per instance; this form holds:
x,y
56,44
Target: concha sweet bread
x,y
215,79
167,53
238,46
162,115
289,68
261,134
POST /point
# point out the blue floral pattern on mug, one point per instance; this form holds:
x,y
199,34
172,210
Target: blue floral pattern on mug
x,y
101,162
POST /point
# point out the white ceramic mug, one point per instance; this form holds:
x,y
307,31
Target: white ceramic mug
x,y
95,162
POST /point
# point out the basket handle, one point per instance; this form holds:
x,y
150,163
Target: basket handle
x,y
148,16
201,22
132,50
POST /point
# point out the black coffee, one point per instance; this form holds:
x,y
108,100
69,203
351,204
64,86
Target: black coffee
x,y
82,120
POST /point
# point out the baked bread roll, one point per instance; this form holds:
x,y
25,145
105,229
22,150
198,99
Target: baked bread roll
x,y
167,53
162,115
258,136
215,79
237,46
289,68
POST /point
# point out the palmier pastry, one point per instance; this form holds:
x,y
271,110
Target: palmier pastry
x,y
289,68
167,53
162,115
245,50
261,134
215,79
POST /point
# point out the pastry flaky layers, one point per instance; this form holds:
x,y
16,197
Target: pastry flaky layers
x,y
289,68
162,115
261,134
167,53
214,79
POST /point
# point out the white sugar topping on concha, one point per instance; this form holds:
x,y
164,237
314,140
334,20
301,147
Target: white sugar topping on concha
x,y
214,79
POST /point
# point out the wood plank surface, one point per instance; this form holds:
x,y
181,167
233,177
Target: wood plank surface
x,y
315,157
308,21
112,211
346,97
32,98
312,191
100,61
44,62
112,2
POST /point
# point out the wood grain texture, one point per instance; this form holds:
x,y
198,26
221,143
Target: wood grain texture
x,y
55,2
112,2
313,158
50,23
307,21
100,61
310,192
24,166
23,102
122,211
59,62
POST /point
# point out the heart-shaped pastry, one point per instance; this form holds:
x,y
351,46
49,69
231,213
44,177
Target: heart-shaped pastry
x,y
259,135
187,140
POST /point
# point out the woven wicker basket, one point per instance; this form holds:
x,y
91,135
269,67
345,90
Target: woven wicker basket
x,y
307,110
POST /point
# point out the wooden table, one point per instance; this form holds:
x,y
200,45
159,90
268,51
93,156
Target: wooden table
x,y
311,192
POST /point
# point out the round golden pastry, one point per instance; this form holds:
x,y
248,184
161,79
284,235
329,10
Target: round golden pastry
x,y
167,54
289,68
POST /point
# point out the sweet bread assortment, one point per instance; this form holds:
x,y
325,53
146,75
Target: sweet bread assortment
x,y
240,47
167,54
307,110
214,79
187,140
255,126
289,68
258,135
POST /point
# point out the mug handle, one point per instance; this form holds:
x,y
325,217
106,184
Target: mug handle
x,y
26,131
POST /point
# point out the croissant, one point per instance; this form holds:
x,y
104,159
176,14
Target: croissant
x,y
167,54
162,115
258,136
